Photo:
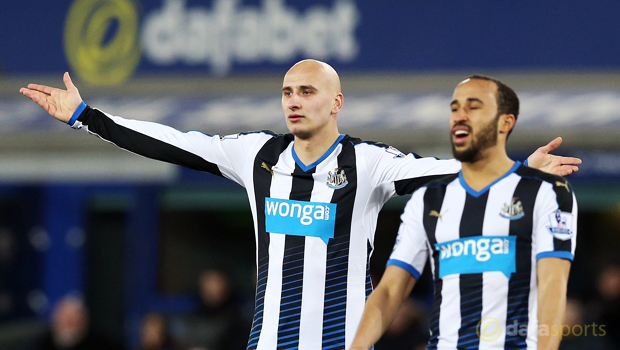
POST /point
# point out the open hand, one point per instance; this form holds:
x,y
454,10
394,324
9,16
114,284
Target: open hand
x,y
549,163
60,104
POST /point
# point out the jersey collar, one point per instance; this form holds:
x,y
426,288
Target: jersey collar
x,y
318,161
482,191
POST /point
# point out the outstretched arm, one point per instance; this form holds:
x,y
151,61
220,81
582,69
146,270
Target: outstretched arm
x,y
222,156
557,165
60,104
382,306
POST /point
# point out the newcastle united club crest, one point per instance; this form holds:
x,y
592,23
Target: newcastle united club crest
x,y
512,210
336,179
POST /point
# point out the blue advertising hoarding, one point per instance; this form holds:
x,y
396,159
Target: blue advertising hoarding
x,y
108,41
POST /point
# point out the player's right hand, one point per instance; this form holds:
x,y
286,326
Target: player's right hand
x,y
60,104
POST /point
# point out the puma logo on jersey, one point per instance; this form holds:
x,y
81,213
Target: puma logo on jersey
x,y
435,213
563,184
265,166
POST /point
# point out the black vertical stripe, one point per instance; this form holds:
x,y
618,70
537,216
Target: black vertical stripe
x,y
562,245
564,196
519,284
408,186
471,284
473,215
369,286
268,155
293,268
334,312
433,200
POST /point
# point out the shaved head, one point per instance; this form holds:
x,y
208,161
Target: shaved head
x,y
323,71
311,100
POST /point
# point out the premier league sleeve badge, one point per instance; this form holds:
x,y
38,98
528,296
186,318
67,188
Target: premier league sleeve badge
x,y
560,224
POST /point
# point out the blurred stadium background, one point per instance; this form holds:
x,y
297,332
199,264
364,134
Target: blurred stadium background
x,y
130,235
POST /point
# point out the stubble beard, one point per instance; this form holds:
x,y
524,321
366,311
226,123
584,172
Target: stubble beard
x,y
487,137
302,134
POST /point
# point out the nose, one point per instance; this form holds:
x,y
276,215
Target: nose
x,y
293,102
459,115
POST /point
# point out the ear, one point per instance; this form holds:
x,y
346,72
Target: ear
x,y
506,123
338,101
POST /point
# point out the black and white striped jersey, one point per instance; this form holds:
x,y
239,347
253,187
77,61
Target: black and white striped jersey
x,y
314,224
483,249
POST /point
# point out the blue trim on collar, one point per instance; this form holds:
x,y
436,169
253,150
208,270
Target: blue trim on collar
x,y
308,167
77,113
482,191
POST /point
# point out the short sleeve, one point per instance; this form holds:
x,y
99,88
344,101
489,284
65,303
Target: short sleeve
x,y
411,248
555,221
405,173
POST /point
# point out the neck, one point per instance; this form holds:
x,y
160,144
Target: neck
x,y
311,149
490,167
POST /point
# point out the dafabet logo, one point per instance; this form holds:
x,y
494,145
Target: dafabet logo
x,y
97,57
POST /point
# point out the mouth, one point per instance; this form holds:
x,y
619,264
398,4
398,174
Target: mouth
x,y
460,134
295,117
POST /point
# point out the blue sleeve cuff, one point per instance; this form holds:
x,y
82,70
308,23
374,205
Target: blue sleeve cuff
x,y
555,254
404,266
77,113
525,163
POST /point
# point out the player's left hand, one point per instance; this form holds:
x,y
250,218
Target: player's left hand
x,y
549,163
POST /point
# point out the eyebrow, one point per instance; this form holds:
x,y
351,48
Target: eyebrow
x,y
471,99
302,87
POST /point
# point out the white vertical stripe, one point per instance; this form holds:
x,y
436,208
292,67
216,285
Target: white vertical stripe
x,y
494,309
495,284
545,204
449,223
356,278
500,194
545,199
313,295
315,261
447,230
250,189
271,310
281,185
449,313
574,228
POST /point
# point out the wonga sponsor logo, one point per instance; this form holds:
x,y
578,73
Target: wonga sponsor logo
x,y
477,254
300,218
